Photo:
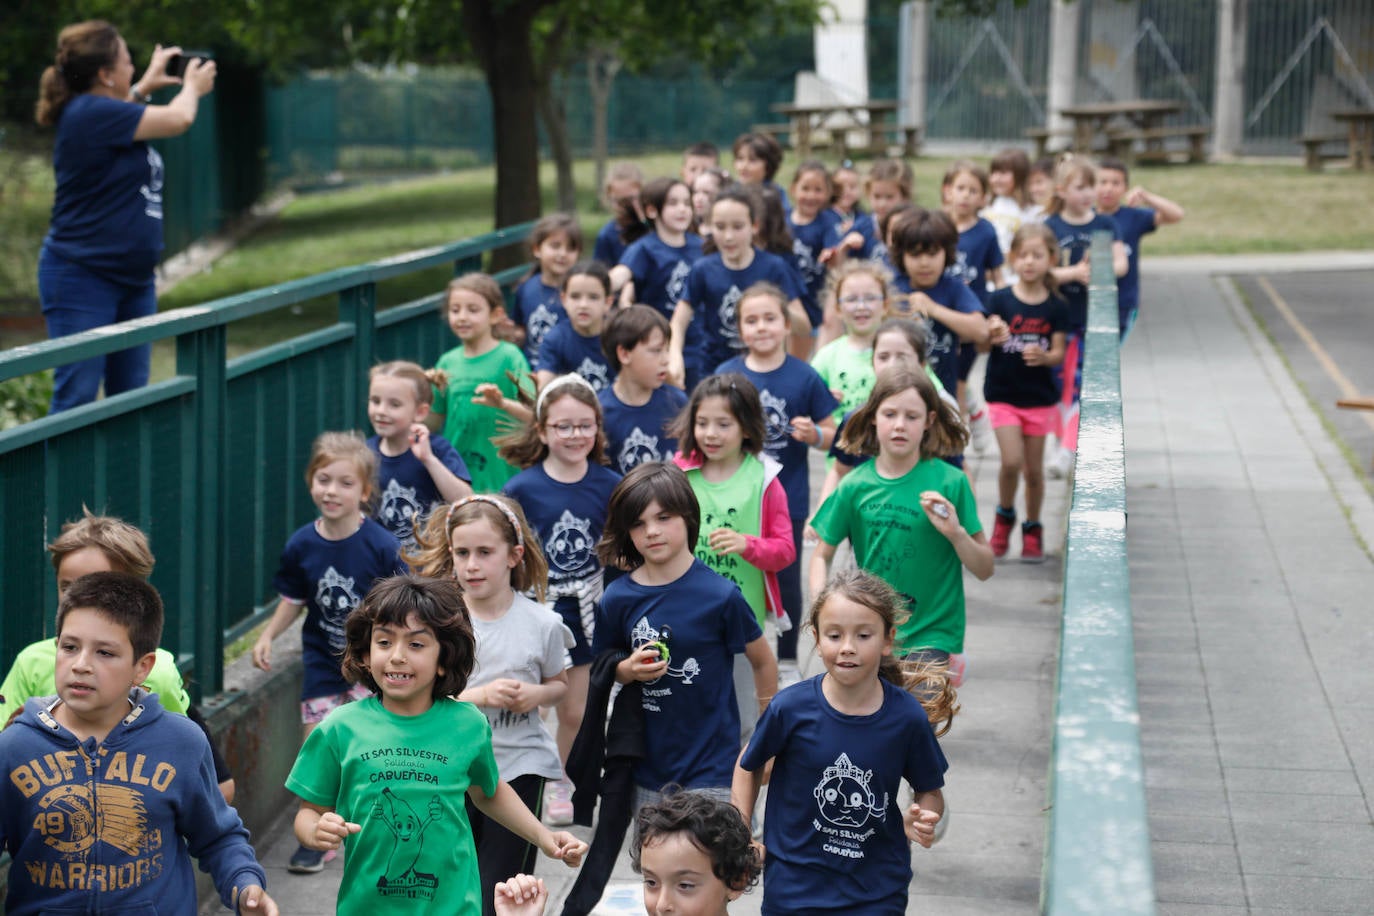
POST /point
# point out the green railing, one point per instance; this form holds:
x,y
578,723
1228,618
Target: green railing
x,y
211,462
1097,856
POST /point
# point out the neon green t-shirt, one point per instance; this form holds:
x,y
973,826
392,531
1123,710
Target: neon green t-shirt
x,y
736,504
846,369
405,780
470,427
895,541
34,674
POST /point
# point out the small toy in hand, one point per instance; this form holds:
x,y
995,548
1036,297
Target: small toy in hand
x,y
660,645
940,509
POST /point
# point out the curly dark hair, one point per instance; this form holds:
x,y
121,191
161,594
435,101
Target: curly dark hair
x,y
714,827
437,604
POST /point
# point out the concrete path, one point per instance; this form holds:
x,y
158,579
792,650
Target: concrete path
x,y
1250,584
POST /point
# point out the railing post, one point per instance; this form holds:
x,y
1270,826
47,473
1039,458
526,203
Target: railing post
x,y
201,355
469,265
358,307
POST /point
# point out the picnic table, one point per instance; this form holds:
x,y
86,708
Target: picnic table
x,y
876,118
1359,123
1116,126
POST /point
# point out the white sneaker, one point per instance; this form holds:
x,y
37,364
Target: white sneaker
x,y
788,674
1060,464
980,430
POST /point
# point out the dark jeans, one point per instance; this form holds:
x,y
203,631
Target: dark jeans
x,y
74,300
501,853
789,585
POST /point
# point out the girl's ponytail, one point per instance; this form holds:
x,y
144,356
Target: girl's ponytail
x,y
83,50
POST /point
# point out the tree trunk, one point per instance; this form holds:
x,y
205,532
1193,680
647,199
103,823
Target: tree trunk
x,y
502,41
602,67
554,113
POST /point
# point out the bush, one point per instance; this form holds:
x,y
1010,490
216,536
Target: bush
x,y
25,398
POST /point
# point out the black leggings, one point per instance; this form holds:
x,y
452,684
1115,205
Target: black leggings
x,y
790,588
501,853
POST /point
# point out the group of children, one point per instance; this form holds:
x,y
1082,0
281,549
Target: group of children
x,y
604,489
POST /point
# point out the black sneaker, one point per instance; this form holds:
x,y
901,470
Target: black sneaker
x,y
306,861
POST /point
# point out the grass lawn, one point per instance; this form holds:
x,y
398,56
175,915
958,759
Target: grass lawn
x,y
1241,207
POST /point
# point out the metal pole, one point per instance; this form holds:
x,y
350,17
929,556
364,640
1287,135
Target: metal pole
x,y
1228,107
1063,77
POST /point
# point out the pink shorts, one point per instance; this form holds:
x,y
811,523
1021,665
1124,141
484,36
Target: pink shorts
x,y
1034,421
315,709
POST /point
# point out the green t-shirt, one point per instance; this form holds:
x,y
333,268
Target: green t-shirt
x,y
894,540
736,504
846,370
470,427
405,780
34,674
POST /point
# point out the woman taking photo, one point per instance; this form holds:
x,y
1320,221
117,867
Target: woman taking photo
x,y
105,238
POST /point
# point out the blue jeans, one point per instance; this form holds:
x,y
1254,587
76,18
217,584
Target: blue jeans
x,y
74,300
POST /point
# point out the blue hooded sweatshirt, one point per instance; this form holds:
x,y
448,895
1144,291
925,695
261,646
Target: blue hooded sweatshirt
x,y
111,827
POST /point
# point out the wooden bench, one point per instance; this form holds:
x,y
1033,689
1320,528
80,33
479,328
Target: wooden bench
x,y
1042,137
1317,148
1122,143
836,137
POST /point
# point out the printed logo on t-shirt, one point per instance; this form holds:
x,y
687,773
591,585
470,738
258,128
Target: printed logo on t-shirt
x,y
775,420
74,816
152,191
729,316
682,669
638,448
961,270
594,373
730,565
677,283
403,877
539,323
1025,331
570,543
847,804
806,262
399,509
334,596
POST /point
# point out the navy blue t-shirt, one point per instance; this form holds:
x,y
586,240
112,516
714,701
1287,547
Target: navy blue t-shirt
x,y
608,246
713,291
536,308
635,435
408,493
833,818
979,252
107,208
691,722
1009,380
1074,242
331,578
564,350
943,347
1134,223
808,242
660,270
793,389
567,517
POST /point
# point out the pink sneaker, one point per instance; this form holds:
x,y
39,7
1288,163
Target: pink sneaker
x,y
1002,526
558,807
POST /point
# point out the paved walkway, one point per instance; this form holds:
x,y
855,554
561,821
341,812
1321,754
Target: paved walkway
x,y
1250,585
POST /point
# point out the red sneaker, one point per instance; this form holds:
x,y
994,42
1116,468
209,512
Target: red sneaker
x,y
1001,533
1033,543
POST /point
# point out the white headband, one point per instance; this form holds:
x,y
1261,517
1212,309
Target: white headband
x,y
563,381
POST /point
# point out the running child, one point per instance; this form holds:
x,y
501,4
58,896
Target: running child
x,y
485,544
694,853
746,529
415,469
1137,212
480,375
620,196
1027,327
815,233
555,244
326,568
846,199
910,517
639,406
757,160
84,829
925,243
654,268
564,490
1073,221
1010,206
697,158
890,182
714,286
390,776
798,413
1040,188
705,187
860,292
847,739
575,345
